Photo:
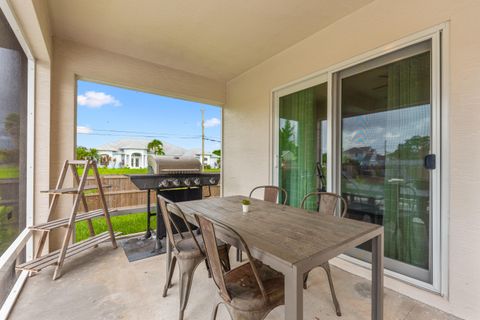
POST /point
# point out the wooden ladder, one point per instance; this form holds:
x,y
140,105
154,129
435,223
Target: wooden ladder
x,y
57,257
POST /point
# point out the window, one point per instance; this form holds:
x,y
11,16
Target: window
x,y
302,140
13,145
135,160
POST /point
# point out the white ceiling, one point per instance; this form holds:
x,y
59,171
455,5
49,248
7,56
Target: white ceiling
x,y
218,39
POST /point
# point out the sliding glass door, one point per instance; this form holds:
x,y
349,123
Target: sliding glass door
x,y
386,154
302,143
379,124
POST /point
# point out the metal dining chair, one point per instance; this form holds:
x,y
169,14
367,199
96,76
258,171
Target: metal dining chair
x,y
188,250
270,194
327,203
249,291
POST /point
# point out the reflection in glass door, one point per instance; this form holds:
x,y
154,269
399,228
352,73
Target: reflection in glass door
x,y
302,143
386,121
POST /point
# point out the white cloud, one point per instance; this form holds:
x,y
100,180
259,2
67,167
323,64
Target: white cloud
x,y
94,99
83,129
213,122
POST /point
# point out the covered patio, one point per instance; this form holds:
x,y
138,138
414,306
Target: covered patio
x,y
368,108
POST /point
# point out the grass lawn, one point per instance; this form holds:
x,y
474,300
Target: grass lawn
x,y
115,171
8,172
125,224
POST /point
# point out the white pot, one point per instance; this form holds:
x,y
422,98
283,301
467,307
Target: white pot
x,y
245,208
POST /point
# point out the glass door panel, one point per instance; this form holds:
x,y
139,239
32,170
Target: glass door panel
x,y
303,143
385,140
13,147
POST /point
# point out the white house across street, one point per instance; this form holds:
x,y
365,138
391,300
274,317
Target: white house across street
x,y
132,153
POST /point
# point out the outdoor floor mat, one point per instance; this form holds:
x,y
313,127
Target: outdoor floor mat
x,y
139,248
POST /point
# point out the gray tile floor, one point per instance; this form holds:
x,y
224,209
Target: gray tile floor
x,y
102,284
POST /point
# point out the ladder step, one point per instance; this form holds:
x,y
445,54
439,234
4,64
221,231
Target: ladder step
x,y
50,259
78,162
64,222
73,190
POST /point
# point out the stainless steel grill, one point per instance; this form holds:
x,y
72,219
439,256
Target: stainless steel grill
x,y
166,172
176,178
166,164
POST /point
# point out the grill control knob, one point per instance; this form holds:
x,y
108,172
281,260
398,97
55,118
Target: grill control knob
x,y
187,182
164,183
176,182
197,181
212,180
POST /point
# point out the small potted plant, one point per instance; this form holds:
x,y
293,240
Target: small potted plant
x,y
245,205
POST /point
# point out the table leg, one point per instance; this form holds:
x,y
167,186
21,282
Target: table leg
x,y
293,295
377,277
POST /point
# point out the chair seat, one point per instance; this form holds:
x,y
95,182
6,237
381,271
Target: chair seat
x,y
243,287
188,248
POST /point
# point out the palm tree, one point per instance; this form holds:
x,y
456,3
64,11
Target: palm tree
x,y
156,146
87,154
219,154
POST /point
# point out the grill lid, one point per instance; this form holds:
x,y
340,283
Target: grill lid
x,y
173,164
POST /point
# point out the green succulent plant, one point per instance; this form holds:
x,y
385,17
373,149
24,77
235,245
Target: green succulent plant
x,y
246,202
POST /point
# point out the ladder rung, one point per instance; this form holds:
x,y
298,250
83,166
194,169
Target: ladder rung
x,y
78,162
64,222
51,258
73,190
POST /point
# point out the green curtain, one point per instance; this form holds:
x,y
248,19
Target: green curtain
x,y
298,146
406,181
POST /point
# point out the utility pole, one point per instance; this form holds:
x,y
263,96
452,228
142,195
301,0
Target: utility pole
x,y
203,139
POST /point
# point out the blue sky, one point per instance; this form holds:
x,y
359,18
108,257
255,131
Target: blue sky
x,y
106,113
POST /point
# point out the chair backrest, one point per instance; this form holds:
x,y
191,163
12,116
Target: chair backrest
x,y
327,203
271,193
166,208
207,227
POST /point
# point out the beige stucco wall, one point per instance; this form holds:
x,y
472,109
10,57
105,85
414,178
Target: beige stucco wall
x,y
247,120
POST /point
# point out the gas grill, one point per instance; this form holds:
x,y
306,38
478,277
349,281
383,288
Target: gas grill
x,y
175,178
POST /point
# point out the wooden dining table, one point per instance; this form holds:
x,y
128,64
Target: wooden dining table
x,y
292,241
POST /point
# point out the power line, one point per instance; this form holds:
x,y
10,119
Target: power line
x,y
213,140
142,132
147,136
137,132
137,136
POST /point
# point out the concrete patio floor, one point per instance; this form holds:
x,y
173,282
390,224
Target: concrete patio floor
x,y
102,284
